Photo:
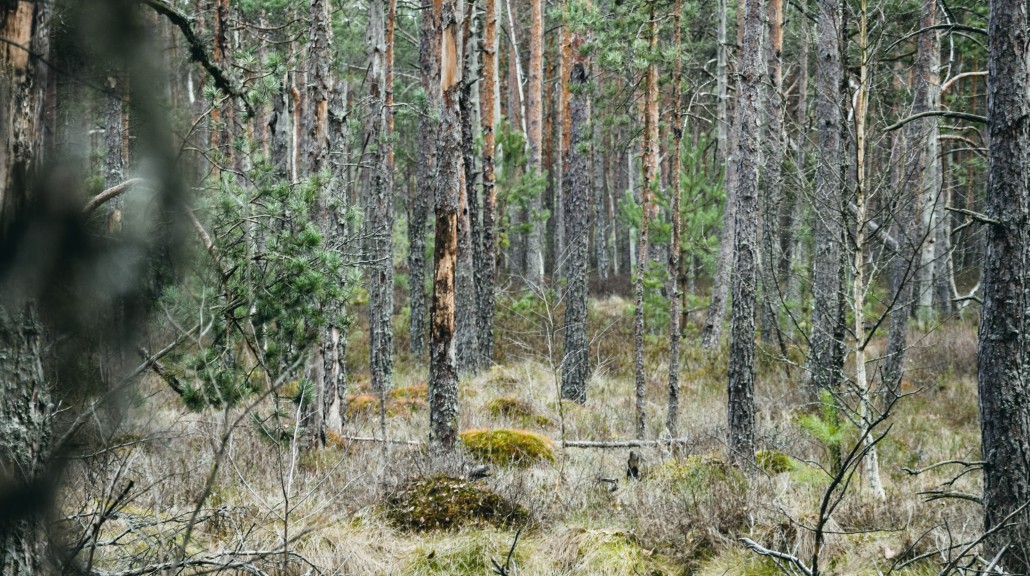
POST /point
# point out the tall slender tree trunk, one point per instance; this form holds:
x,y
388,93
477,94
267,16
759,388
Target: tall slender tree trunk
x,y
534,265
1004,358
675,265
576,187
712,328
871,463
916,181
825,360
741,371
490,112
380,206
443,375
466,317
772,173
418,206
928,71
26,409
325,364
649,162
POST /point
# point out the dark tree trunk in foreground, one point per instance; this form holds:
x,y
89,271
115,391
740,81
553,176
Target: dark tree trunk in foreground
x,y
443,374
466,309
1004,359
827,229
772,175
25,406
576,359
741,404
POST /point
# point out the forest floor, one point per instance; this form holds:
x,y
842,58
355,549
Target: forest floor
x,y
582,515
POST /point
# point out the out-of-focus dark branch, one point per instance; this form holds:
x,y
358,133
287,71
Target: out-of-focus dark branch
x,y
198,53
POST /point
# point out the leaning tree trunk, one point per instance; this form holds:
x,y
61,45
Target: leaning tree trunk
x,y
741,370
26,409
1004,359
575,358
824,350
443,375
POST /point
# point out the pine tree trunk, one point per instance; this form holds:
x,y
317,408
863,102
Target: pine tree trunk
x,y
443,376
466,317
741,402
675,266
1004,358
380,220
490,114
772,174
721,282
576,187
827,230
534,265
26,409
649,161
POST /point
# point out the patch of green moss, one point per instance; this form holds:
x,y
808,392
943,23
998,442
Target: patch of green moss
x,y
700,473
415,392
504,447
360,406
510,407
606,552
466,553
774,462
443,503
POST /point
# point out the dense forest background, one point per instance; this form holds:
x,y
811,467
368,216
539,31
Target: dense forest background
x,y
514,287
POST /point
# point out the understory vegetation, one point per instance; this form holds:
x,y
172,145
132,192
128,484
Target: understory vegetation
x,y
215,482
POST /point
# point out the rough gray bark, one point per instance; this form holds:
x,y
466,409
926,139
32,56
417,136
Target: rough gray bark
x,y
486,271
916,178
741,370
25,405
712,329
380,195
825,358
1004,358
576,359
599,184
443,375
675,265
773,145
925,137
466,309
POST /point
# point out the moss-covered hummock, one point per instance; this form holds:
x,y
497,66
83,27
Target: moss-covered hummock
x,y
774,462
701,474
510,407
504,447
442,503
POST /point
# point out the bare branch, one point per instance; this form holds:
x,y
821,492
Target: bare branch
x,y
112,192
763,551
940,113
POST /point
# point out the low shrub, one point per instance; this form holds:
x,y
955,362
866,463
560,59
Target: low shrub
x,y
443,503
504,447
774,462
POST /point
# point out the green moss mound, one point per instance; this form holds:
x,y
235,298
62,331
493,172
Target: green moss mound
x,y
510,407
701,474
444,503
610,553
508,447
774,462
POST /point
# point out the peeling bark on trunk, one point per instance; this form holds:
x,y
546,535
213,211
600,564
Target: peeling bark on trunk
x,y
443,376
741,370
26,409
1004,358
